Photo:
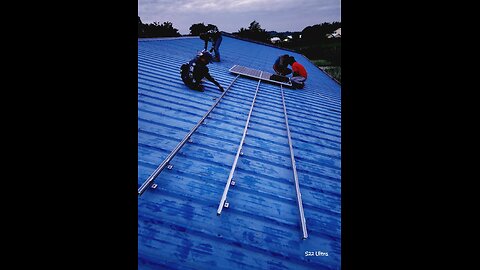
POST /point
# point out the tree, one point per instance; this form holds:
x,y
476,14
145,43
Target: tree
x,y
166,30
255,27
156,29
254,32
141,28
319,32
315,43
197,29
212,27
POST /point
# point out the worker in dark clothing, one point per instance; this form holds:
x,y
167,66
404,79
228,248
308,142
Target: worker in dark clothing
x,y
281,65
216,38
299,75
196,69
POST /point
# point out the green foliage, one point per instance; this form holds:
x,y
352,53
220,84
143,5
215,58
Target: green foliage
x,y
156,29
141,29
315,44
212,27
254,32
319,32
198,28
335,72
255,27
321,62
328,50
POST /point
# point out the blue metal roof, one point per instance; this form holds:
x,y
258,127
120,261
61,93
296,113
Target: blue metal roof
x,y
178,225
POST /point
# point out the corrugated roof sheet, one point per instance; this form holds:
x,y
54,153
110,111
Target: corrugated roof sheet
x,y
178,227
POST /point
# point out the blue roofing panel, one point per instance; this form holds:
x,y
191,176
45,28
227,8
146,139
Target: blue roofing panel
x,y
178,226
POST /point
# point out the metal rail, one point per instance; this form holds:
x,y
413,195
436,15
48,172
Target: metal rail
x,y
166,161
295,176
223,201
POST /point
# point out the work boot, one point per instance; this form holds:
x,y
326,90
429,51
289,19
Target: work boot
x,y
297,85
198,88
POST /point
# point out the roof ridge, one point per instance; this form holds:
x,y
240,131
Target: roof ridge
x,y
165,38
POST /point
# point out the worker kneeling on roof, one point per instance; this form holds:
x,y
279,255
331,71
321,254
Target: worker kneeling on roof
x,y
281,65
299,73
194,71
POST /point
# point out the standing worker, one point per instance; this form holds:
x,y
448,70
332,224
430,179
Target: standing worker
x,y
216,38
196,69
299,75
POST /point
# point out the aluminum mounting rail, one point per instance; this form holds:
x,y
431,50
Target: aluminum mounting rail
x,y
223,201
295,175
166,161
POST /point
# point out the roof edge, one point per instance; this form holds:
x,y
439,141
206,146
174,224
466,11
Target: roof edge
x,y
331,77
286,49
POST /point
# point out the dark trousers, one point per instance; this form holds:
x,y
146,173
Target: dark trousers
x,y
279,70
216,47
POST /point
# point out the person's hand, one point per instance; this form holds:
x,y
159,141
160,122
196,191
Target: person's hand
x,y
221,88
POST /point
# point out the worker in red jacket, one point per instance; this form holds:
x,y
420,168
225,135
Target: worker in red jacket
x,y
299,73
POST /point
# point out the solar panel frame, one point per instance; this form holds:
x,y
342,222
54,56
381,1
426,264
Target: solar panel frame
x,y
257,74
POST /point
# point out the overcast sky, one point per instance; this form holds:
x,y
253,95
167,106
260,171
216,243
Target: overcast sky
x,y
230,16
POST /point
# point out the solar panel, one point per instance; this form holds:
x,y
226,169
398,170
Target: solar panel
x,y
258,74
